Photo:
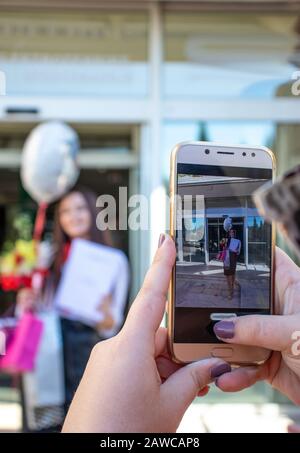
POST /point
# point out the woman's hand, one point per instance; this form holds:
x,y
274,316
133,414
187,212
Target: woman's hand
x,y
278,333
26,301
131,383
108,322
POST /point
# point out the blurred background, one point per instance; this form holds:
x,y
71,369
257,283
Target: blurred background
x,y
133,78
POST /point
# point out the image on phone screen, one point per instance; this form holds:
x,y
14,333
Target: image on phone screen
x,y
223,263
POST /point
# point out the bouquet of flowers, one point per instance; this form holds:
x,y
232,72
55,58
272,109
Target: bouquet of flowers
x,y
17,266
24,264
24,260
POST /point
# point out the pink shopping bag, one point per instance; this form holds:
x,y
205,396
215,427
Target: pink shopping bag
x,y
23,345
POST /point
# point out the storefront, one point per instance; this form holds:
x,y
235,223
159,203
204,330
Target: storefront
x,y
203,229
134,78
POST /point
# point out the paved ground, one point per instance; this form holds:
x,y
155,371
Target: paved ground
x,y
202,418
10,417
248,411
200,285
238,418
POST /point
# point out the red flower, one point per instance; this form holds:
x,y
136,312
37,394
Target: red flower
x,y
18,259
15,282
10,282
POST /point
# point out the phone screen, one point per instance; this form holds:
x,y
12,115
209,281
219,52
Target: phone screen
x,y
223,264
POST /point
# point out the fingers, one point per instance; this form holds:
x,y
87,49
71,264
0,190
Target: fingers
x,y
184,385
287,273
166,367
241,378
148,308
26,301
204,391
164,362
161,342
270,332
294,429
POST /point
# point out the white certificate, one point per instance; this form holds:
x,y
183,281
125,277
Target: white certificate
x,y
92,272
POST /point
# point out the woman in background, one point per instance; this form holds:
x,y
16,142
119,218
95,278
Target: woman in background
x,y
75,217
233,249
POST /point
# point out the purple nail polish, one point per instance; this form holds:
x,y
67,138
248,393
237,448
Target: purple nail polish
x,y
224,329
161,239
218,370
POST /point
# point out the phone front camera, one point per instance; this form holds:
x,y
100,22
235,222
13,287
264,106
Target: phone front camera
x,y
253,154
207,151
244,154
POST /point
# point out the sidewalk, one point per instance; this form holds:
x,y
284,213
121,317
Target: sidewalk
x,y
238,418
10,417
200,285
10,410
202,418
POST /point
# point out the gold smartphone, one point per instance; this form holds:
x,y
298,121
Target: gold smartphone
x,y
225,249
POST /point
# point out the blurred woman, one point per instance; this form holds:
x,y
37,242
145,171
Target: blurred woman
x,y
75,217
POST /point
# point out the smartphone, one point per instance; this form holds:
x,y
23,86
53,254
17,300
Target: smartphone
x,y
225,249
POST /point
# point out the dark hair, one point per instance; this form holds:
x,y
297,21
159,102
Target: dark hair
x,y
61,239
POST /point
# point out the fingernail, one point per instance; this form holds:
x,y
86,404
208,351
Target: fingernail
x,y
161,239
218,370
224,329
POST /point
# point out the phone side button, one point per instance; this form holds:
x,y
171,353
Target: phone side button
x,y
222,353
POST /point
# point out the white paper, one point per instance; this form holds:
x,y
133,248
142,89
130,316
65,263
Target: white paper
x,y
92,272
235,245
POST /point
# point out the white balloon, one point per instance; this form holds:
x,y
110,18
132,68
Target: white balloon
x,y
227,225
49,161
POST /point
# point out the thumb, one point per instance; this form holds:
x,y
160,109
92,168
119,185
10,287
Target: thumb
x,y
180,389
266,331
147,310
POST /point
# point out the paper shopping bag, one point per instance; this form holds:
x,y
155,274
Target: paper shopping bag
x,y
22,348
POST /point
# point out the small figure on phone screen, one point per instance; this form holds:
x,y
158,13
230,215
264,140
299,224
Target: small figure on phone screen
x,y
233,249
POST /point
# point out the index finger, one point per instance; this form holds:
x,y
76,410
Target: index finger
x,y
147,310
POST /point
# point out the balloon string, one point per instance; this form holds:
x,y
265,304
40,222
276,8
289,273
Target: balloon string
x,y
40,221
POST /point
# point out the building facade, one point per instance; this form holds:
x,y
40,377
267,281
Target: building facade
x,y
202,235
134,78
